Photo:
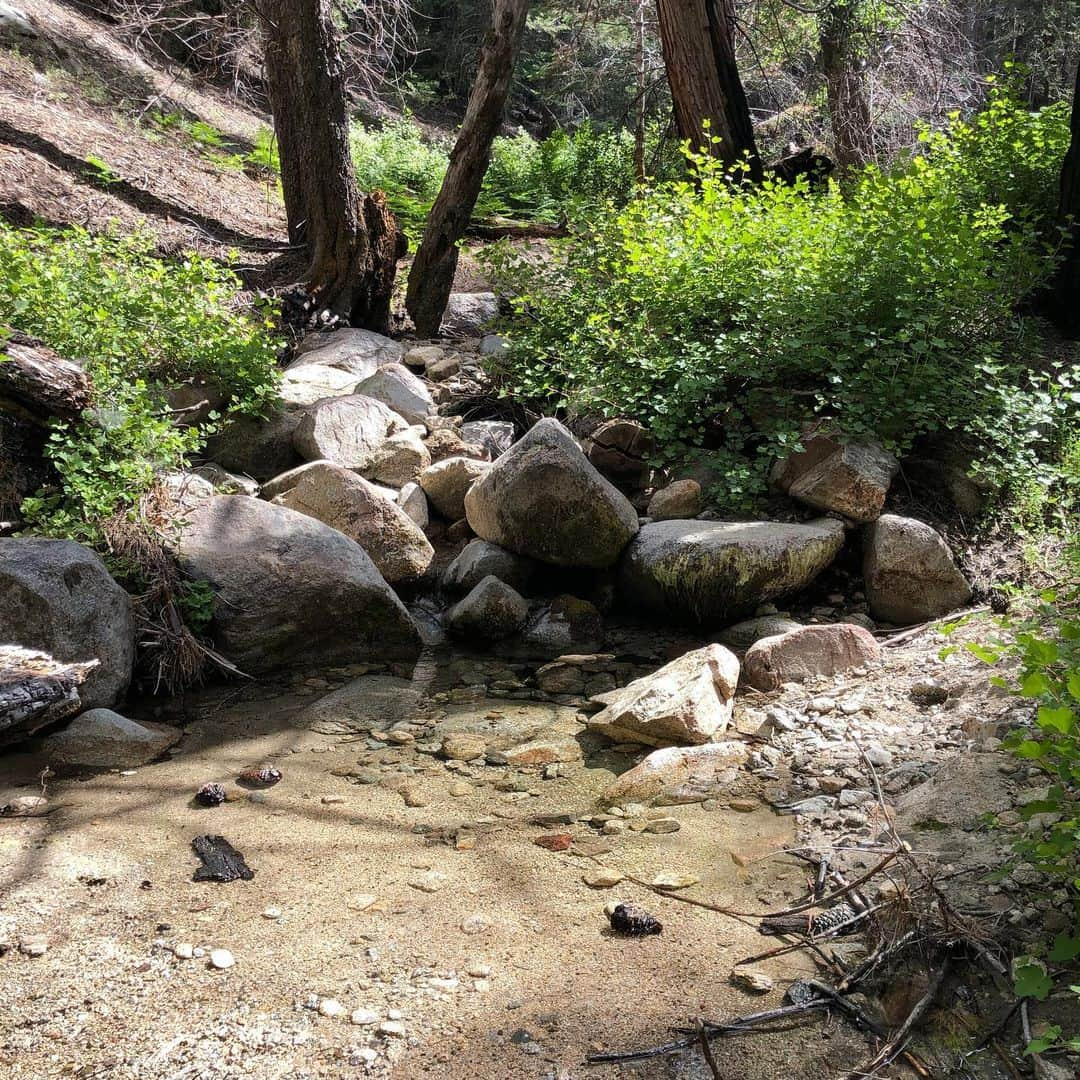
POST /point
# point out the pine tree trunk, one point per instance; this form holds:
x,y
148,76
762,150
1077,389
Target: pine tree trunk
x,y
432,275
639,106
352,240
1067,284
849,109
699,55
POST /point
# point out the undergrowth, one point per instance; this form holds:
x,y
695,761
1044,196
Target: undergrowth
x,y
726,316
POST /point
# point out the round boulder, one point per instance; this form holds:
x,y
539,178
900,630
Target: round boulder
x,y
348,431
491,611
447,482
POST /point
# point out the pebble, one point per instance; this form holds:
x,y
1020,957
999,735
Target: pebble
x,y
415,797
757,982
222,959
184,950
670,880
392,1029
662,825
477,970
329,800
613,827
331,1007
475,924
744,806
460,789
431,882
34,945
602,878
271,913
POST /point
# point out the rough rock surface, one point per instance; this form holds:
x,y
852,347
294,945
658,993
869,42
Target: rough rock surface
x,y
186,490
909,572
807,652
679,774
57,596
308,383
478,560
348,503
619,449
467,314
496,436
679,500
492,610
544,499
400,459
446,443
348,431
447,482
851,479
257,447
743,634
357,351
713,572
103,739
291,590
686,702
413,501
400,390
569,625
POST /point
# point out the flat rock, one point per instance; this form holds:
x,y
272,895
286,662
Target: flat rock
x,y
365,703
711,572
808,652
359,352
310,383
687,701
543,499
679,774
103,739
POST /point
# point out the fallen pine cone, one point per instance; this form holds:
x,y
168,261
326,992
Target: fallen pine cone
x,y
210,795
260,776
633,920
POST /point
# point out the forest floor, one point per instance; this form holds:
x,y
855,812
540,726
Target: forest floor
x,y
487,955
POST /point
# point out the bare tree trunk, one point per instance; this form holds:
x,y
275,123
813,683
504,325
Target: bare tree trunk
x,y
432,275
849,109
1067,283
699,55
639,112
352,240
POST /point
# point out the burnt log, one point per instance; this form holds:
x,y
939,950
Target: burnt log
x,y
36,690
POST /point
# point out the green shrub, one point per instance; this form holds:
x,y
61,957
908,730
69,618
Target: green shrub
x,y
140,324
725,315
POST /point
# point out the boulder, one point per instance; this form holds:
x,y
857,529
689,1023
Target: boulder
x,y
281,483
421,357
291,591
467,314
495,436
260,448
686,702
478,560
350,504
807,652
57,596
348,431
413,502
743,634
679,774
446,483
619,449
851,479
360,352
711,572
909,572
102,739
681,499
492,610
446,443
186,490
544,499
399,389
400,459
309,383
569,625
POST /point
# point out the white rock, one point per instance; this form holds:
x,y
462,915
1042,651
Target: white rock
x,y
363,1017
184,950
222,959
331,1008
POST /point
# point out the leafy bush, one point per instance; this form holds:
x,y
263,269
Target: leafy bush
x,y
140,324
725,315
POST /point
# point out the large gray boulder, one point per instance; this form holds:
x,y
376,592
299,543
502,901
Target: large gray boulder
x,y
348,503
714,572
491,611
400,460
309,383
400,390
447,482
544,499
348,431
909,572
103,739
686,702
291,591
467,314
359,352
57,596
851,479
478,559
257,447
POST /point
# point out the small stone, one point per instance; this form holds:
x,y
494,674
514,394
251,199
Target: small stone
x,y
184,950
222,959
460,789
463,746
392,1029
415,797
210,795
271,913
757,982
613,827
394,1014
477,970
670,880
363,1017
744,806
330,1007
475,924
34,945
259,776
431,882
481,986
362,902
662,825
330,800
602,878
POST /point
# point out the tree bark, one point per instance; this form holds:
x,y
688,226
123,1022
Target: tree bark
x,y
699,55
432,275
1066,299
37,385
36,690
352,239
849,109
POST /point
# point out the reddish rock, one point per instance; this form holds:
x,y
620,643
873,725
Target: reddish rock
x,y
554,841
806,652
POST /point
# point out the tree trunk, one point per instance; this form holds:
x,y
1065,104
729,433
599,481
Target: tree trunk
x,y
432,275
639,109
1067,283
699,55
352,240
849,109
36,690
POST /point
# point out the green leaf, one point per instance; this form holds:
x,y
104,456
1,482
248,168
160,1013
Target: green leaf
x,y
1035,685
1030,979
1064,949
1062,720
986,655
